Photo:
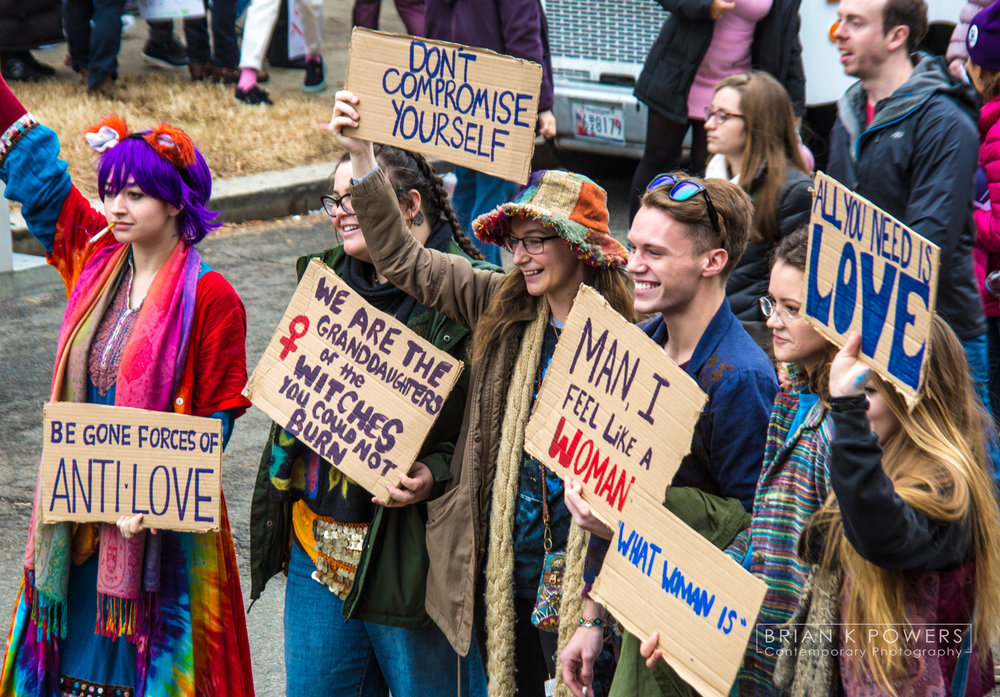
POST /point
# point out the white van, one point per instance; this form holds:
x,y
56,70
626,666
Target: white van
x,y
599,47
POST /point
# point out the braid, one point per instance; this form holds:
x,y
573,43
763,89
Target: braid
x,y
444,206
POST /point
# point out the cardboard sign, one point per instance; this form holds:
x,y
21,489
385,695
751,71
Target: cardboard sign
x,y
614,412
468,106
352,383
171,9
99,463
867,272
660,575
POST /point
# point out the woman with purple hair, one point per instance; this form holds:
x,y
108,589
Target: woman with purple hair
x,y
106,609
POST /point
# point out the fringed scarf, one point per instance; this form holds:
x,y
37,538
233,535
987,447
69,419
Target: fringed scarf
x,y
150,373
500,558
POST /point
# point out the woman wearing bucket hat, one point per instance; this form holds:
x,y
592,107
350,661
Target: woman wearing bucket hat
x,y
557,230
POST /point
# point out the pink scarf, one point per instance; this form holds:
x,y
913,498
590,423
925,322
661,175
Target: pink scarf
x,y
150,373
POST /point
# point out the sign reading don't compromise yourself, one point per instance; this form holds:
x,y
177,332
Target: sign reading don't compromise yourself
x,y
100,463
867,272
353,384
469,106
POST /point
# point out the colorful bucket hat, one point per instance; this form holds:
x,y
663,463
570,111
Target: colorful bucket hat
x,y
571,204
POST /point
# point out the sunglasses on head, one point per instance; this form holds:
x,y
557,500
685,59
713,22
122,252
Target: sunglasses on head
x,y
682,190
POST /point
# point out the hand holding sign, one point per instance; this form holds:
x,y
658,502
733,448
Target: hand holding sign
x,y
848,374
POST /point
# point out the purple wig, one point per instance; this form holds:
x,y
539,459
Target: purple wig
x,y
186,189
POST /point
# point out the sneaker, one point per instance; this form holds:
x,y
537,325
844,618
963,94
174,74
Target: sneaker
x,y
254,96
166,54
315,76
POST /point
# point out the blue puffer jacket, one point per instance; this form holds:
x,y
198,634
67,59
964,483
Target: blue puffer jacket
x,y
917,161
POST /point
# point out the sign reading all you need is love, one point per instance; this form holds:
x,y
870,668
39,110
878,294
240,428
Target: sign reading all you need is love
x,y
617,415
350,382
867,272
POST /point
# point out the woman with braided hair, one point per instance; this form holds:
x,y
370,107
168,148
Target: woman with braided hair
x,y
105,609
347,557
502,515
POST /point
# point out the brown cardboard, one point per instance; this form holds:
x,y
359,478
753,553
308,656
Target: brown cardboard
x,y
468,106
856,250
100,462
594,393
613,412
660,575
352,383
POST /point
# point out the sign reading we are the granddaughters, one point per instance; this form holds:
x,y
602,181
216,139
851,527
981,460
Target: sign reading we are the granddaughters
x,y
468,106
100,463
350,382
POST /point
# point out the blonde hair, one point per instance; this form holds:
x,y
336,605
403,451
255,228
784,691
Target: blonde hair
x,y
938,465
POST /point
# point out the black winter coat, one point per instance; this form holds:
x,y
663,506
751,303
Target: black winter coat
x,y
748,281
917,160
25,25
675,57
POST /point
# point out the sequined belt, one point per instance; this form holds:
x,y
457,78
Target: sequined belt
x,y
338,549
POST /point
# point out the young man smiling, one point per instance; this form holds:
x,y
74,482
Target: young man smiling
x,y
905,138
685,240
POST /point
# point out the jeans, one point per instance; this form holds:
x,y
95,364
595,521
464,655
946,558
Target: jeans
x,y
199,50
977,353
328,656
477,193
95,49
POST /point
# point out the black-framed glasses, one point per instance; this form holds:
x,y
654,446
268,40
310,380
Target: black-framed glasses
x,y
771,307
682,190
720,116
532,245
331,202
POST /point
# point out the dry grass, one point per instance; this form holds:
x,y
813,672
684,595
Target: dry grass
x,y
235,139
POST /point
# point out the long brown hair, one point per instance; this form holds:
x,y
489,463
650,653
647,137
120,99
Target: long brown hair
x,y
513,306
408,171
792,251
938,464
772,142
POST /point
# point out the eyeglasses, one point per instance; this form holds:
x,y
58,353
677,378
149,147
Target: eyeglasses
x,y
682,190
532,245
770,307
331,202
720,116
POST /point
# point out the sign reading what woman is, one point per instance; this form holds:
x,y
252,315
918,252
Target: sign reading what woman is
x,y
354,384
100,463
617,415
468,106
867,272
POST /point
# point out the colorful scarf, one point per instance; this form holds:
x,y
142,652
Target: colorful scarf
x,y
151,370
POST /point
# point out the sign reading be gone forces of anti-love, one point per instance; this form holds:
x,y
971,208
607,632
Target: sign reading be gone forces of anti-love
x,y
867,272
468,106
100,463
351,383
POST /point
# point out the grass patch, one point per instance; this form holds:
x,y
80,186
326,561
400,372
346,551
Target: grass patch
x,y
236,139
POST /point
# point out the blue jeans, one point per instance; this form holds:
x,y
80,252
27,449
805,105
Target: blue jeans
x,y
477,193
977,354
199,49
95,49
328,656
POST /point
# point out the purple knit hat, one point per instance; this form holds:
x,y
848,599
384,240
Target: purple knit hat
x,y
983,39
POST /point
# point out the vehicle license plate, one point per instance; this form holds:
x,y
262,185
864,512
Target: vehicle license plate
x,y
597,121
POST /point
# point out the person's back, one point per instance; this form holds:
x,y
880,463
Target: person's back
x,y
905,138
